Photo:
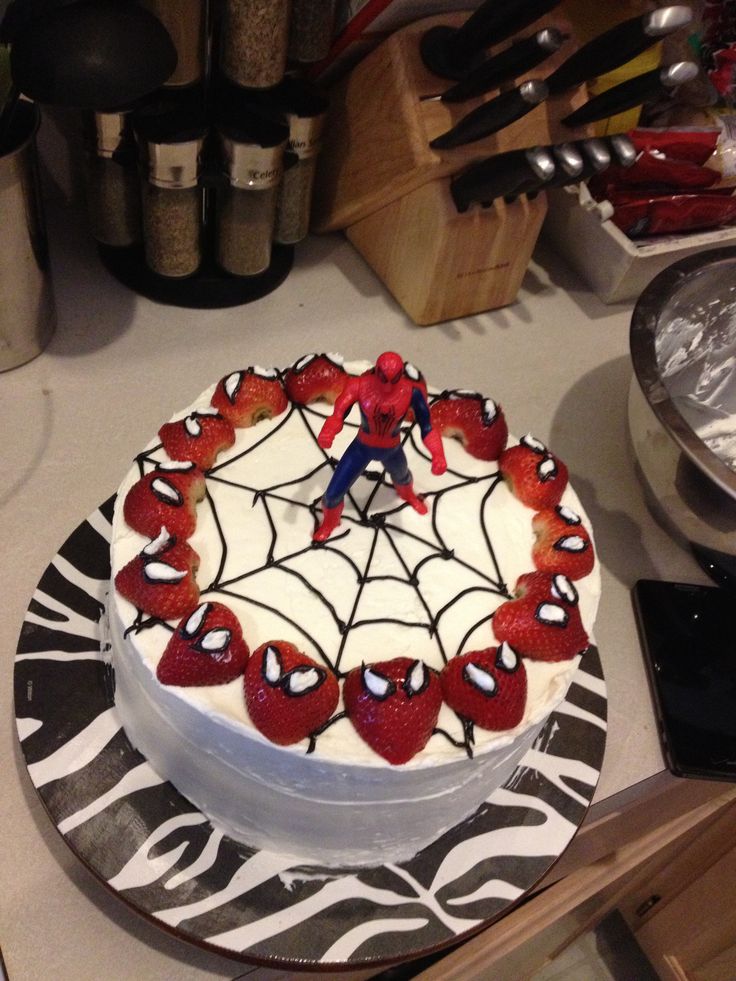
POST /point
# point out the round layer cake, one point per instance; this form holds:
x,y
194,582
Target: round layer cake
x,y
260,671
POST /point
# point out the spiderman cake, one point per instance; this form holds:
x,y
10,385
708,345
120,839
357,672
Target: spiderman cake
x,y
344,605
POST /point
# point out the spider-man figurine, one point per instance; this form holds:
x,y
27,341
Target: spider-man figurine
x,y
384,395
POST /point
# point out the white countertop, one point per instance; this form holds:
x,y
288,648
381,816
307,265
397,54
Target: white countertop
x,y
119,365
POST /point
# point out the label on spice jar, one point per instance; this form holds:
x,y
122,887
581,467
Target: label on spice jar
x,y
304,135
174,164
251,166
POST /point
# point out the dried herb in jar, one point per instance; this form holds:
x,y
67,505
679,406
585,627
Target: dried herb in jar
x,y
310,30
111,179
254,36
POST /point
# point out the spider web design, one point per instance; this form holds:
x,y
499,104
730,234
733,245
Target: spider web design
x,y
371,513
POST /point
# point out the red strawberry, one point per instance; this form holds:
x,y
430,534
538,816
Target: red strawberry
x,y
166,496
488,687
246,397
315,378
563,543
543,621
161,579
477,422
393,706
535,476
207,648
199,437
288,695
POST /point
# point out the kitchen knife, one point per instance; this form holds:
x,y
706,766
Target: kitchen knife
x,y
450,51
622,149
617,46
517,59
503,175
493,115
568,162
632,92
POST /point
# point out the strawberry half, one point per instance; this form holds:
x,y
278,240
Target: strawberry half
x,y
543,621
246,397
166,496
315,378
288,695
199,437
488,687
160,580
563,543
534,475
477,422
393,706
207,648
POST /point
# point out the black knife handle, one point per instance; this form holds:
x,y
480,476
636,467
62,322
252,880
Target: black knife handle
x,y
615,47
493,22
519,58
633,92
493,115
503,175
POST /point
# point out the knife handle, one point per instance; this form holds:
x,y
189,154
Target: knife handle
x,y
493,22
493,115
632,92
502,175
615,47
521,57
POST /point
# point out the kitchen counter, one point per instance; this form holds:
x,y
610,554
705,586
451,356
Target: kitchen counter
x,y
119,365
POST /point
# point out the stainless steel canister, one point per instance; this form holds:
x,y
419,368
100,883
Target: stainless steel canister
x,y
27,309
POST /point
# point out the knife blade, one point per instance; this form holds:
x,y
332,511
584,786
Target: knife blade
x,y
615,47
450,51
633,92
493,115
503,175
517,59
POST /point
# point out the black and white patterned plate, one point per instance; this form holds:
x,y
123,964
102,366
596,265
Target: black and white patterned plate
x,y
161,855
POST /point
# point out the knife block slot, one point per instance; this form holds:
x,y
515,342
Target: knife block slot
x,y
383,116
441,265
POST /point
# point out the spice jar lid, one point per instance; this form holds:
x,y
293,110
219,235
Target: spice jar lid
x,y
304,107
253,138
171,132
108,133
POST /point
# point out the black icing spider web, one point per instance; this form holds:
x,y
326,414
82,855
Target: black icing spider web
x,y
371,510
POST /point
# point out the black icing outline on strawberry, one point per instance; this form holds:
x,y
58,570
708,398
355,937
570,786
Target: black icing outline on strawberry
x,y
283,681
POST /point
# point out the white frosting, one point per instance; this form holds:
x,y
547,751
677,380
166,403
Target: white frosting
x,y
322,804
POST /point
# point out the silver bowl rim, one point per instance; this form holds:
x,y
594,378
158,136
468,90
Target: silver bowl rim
x,y
644,321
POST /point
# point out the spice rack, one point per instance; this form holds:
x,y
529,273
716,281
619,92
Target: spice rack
x,y
380,181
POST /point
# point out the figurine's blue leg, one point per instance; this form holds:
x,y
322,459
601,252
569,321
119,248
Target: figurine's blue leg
x,y
396,464
351,465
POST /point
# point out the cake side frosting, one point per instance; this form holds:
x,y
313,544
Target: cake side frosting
x,y
399,584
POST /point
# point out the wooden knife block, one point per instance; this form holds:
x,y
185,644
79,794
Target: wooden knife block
x,y
377,177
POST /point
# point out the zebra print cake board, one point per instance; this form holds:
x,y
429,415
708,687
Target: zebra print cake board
x,y
148,844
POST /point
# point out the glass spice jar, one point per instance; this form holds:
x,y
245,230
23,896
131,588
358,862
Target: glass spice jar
x,y
305,109
254,36
172,203
310,30
252,154
111,179
186,22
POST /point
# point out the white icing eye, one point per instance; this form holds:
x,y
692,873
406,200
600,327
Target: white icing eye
x,y
567,514
480,678
490,411
571,543
178,466
377,685
563,589
160,572
302,363
271,666
215,641
411,371
158,544
207,410
232,385
195,621
193,426
507,658
551,614
532,443
264,372
417,679
547,469
304,679
165,491
337,359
